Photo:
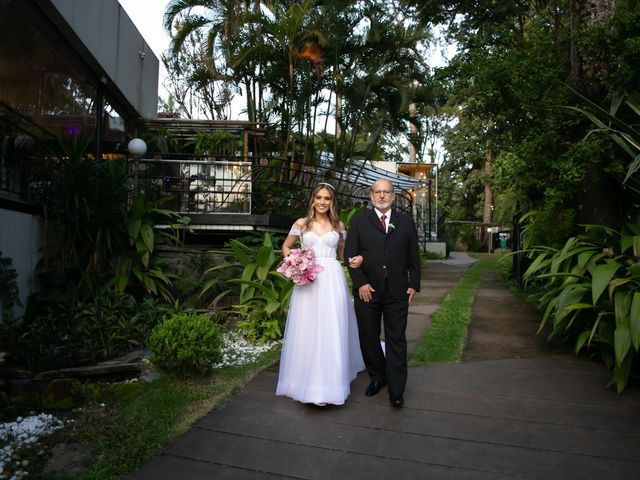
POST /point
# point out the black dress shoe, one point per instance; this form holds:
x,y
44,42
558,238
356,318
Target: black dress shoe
x,y
396,400
373,388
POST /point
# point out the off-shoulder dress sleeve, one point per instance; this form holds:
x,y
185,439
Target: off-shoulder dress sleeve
x,y
343,234
294,230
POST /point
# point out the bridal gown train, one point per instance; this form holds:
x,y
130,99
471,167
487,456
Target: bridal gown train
x,y
321,352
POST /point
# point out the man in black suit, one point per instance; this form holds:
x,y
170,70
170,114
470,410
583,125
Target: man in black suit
x,y
383,287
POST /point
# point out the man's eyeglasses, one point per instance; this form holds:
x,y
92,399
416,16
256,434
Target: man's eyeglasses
x,y
381,192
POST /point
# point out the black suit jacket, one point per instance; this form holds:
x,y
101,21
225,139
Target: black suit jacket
x,y
396,250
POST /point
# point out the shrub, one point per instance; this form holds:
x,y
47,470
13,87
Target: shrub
x,y
196,284
591,294
428,255
69,333
8,287
186,343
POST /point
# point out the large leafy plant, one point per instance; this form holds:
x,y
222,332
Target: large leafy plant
x,y
591,294
81,331
624,132
134,265
263,293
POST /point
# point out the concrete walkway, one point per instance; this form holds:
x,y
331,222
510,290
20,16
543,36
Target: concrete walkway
x,y
540,416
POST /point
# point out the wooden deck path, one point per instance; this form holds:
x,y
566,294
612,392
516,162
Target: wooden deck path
x,y
538,417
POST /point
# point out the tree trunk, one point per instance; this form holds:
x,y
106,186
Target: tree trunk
x,y
599,197
486,168
587,71
414,131
488,191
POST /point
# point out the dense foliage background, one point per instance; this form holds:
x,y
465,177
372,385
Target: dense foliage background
x,y
355,79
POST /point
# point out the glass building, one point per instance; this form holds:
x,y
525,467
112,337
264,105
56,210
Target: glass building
x,y
68,68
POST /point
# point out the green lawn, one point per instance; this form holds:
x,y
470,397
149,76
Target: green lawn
x,y
126,434
445,338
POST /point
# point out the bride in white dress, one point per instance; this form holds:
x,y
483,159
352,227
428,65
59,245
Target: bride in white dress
x,y
321,352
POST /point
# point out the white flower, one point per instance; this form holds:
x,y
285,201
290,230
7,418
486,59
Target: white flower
x,y
237,350
391,227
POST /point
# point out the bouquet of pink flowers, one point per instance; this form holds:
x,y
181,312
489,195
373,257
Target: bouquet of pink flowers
x,y
300,267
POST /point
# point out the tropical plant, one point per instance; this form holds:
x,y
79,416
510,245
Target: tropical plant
x,y
201,51
194,272
263,294
99,262
134,265
347,215
216,142
298,63
625,134
590,293
82,331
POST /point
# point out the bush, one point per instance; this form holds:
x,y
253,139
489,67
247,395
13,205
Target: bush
x,y
186,343
75,332
551,225
590,293
428,255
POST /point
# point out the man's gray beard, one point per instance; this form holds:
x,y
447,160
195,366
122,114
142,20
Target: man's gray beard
x,y
383,206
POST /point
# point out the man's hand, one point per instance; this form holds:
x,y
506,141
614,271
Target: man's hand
x,y
365,292
411,293
355,262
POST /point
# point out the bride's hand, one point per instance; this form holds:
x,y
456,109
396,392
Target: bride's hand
x,y
356,262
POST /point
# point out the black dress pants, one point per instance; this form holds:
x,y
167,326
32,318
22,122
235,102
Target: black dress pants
x,y
392,313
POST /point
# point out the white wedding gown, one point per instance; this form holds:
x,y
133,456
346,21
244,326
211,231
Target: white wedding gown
x,y
321,351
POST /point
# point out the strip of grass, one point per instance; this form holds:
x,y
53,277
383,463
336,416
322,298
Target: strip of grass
x,y
129,433
445,338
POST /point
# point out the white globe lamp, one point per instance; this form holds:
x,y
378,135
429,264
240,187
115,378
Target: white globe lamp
x,y
137,147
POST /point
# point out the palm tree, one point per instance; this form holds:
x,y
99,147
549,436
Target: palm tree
x,y
352,59
213,25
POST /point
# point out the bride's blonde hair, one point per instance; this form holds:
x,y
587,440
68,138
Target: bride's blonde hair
x,y
333,207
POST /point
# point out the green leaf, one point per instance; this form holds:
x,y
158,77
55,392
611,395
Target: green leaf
x,y
621,342
248,271
621,373
578,306
634,271
630,241
241,252
537,264
220,296
209,284
622,305
265,255
571,295
634,320
633,168
146,232
272,307
594,329
602,275
582,338
121,282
